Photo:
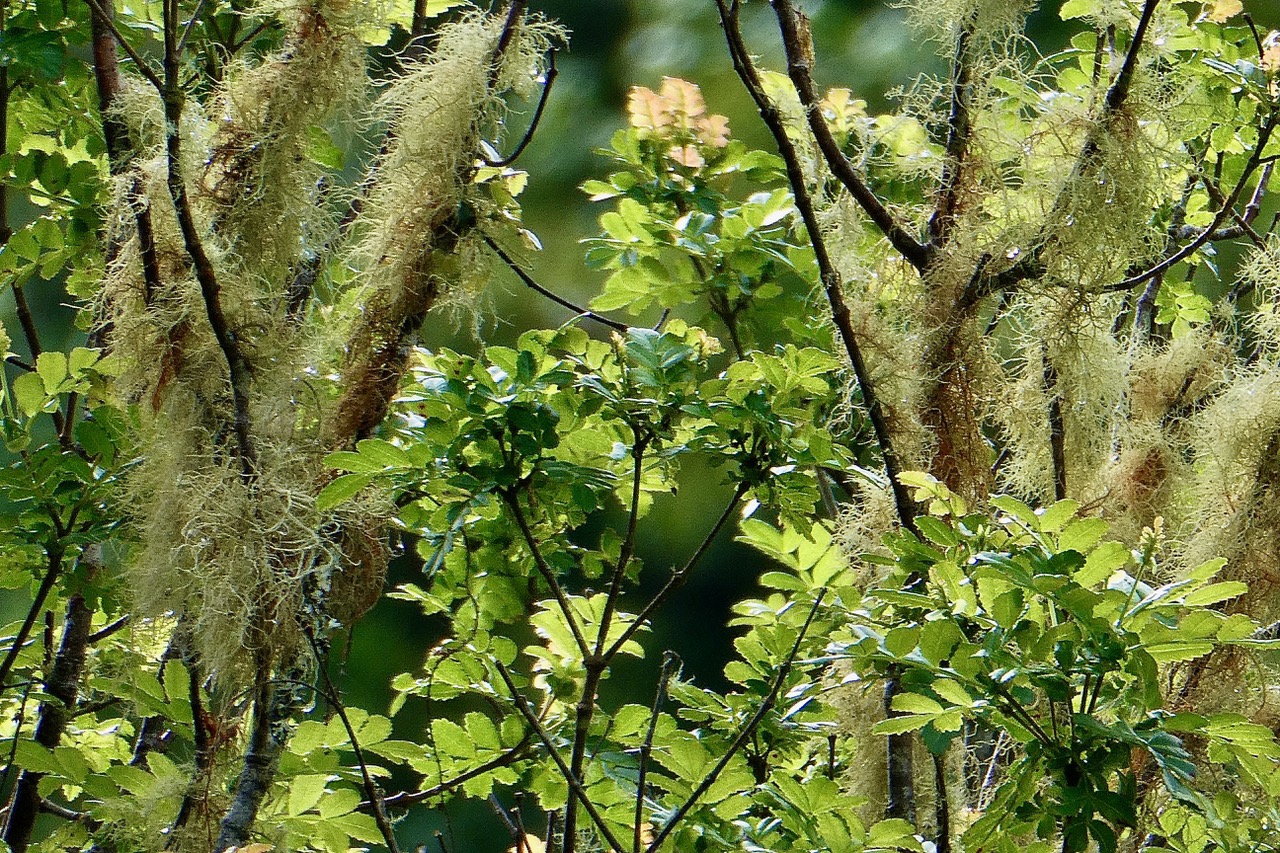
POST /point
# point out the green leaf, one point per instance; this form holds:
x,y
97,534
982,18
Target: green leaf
x,y
1102,563
1082,534
1017,510
1179,650
953,692
1216,592
902,725
29,393
341,489
937,531
305,792
1053,518
384,453
938,639
52,369
337,803
914,703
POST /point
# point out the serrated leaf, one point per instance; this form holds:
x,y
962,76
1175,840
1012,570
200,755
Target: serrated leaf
x,y
1102,562
52,369
305,792
1216,592
384,453
1053,518
902,725
29,394
914,703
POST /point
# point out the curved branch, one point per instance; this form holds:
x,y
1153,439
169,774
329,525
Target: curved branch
x,y
530,282
795,36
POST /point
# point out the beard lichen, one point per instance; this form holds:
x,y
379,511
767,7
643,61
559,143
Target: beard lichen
x,y
242,555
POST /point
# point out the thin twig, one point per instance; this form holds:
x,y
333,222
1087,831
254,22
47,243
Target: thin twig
x,y
670,665
795,34
206,276
191,25
1264,136
409,798
575,784
640,443
514,13
743,736
19,720
1057,430
52,572
370,789
20,364
513,503
107,630
550,79
550,294
678,578
29,331
1119,91
596,664
942,806
58,810
62,684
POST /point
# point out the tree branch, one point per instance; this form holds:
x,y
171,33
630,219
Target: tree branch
x,y
207,277
404,800
670,666
743,735
379,807
550,80
959,130
548,575
678,578
1225,212
575,784
795,35
550,294
830,277
108,20
63,686
53,569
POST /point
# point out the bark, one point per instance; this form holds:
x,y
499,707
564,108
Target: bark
x,y
63,684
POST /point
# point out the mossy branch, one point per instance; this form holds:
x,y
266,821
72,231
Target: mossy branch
x,y
256,773
959,131
1220,217
206,275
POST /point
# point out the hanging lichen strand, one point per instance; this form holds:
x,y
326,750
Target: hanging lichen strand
x,y
239,552
414,225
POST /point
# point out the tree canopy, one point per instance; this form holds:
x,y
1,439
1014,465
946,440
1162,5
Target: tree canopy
x,y
989,376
